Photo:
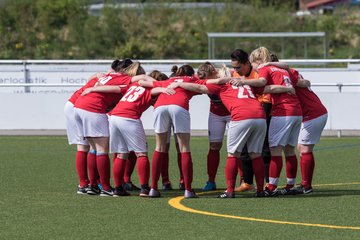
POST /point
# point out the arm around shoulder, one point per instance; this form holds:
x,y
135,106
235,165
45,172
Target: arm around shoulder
x,y
303,83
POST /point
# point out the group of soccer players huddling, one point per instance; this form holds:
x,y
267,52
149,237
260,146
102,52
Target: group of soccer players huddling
x,y
267,108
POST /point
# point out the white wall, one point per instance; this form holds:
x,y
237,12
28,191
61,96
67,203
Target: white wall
x,y
42,108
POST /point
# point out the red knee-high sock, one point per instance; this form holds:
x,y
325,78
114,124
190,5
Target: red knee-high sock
x,y
291,170
259,172
81,168
103,165
187,169
307,164
165,169
274,171
118,169
143,167
240,170
130,165
180,166
156,163
231,169
92,169
213,160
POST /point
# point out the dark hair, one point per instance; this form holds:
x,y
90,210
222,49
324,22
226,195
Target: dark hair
x,y
185,70
140,71
240,55
118,65
173,71
273,57
158,75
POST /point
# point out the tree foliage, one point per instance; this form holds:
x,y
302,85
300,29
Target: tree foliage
x,y
66,29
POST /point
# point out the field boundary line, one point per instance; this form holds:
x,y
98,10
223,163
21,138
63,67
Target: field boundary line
x,y
176,203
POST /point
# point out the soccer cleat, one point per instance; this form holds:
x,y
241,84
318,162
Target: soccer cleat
x,y
100,186
287,191
129,186
302,190
145,190
269,193
154,193
209,186
244,187
167,186
120,192
261,194
107,193
226,195
93,190
81,190
190,194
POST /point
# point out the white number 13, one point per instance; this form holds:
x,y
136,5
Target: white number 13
x,y
133,93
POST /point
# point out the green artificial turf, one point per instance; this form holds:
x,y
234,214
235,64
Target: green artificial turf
x,y
38,199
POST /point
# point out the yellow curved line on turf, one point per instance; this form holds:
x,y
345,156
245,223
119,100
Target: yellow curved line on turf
x,y
176,203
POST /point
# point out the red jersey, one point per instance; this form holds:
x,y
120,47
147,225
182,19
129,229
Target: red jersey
x,y
181,97
78,92
216,106
98,102
263,98
134,102
284,104
240,101
310,103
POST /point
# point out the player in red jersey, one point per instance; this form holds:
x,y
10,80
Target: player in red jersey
x,y
83,155
92,120
173,109
285,122
242,67
314,120
75,138
219,118
159,76
247,126
124,122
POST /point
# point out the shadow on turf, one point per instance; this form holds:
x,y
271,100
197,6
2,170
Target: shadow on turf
x,y
316,194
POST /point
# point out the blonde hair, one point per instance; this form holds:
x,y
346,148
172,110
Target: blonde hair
x,y
224,71
261,54
134,69
205,70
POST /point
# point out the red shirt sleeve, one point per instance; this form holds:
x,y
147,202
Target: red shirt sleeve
x,y
160,84
265,73
201,82
294,76
213,88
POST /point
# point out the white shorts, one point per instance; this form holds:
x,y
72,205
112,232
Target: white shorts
x,y
251,132
284,130
127,135
73,133
92,124
311,130
217,126
171,114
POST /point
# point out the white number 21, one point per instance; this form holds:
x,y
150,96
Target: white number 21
x,y
244,94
